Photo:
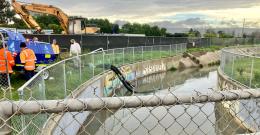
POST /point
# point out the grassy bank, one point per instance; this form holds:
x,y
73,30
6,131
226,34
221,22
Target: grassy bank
x,y
241,71
55,87
205,49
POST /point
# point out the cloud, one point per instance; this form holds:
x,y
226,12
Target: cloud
x,y
148,11
188,23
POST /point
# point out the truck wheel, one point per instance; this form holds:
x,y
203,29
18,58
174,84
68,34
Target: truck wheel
x,y
46,74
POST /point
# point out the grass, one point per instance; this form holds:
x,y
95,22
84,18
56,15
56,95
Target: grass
x,y
61,83
91,65
54,87
205,49
241,71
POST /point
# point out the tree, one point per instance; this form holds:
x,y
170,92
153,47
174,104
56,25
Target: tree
x,y
45,20
115,29
56,28
163,31
6,14
146,29
210,33
194,33
127,28
104,25
18,23
222,34
180,35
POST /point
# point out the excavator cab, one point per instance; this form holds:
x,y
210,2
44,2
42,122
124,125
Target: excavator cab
x,y
78,26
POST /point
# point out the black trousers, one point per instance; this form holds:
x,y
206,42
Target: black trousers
x,y
28,74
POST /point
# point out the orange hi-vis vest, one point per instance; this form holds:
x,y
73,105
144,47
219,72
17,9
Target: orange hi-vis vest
x,y
28,58
6,61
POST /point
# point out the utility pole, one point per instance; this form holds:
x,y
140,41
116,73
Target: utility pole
x,y
243,29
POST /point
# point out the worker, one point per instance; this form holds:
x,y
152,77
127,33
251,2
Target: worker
x,y
35,39
56,48
75,50
6,64
28,59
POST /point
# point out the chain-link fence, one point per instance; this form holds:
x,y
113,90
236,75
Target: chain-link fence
x,y
49,103
58,81
242,64
211,112
92,42
5,81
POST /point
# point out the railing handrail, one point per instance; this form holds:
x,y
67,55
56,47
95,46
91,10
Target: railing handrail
x,y
20,90
48,67
230,54
227,50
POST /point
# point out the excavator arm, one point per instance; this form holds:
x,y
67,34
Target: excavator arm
x,y
48,9
26,17
23,11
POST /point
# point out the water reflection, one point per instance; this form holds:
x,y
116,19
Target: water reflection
x,y
207,118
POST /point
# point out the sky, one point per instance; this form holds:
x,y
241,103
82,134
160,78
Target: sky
x,y
166,13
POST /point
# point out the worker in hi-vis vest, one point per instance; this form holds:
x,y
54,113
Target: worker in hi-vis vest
x,y
28,59
6,64
56,48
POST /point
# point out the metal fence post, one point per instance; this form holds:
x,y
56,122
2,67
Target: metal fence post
x,y
142,53
151,52
80,70
123,56
170,50
252,70
160,51
21,98
64,79
181,48
9,87
107,43
133,54
176,48
103,60
93,65
113,60
223,59
233,61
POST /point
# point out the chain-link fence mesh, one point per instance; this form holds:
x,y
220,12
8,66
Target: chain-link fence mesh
x,y
211,112
5,81
49,103
60,80
92,42
242,64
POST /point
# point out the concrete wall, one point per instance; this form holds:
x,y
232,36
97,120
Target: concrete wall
x,y
104,85
243,113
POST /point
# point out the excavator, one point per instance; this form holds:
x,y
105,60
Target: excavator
x,y
69,25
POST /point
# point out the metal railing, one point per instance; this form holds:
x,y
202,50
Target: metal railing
x,y
241,63
5,80
166,112
58,81
211,112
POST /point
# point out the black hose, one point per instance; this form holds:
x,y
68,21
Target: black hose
x,y
127,85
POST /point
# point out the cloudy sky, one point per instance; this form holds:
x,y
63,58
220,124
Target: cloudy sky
x,y
166,13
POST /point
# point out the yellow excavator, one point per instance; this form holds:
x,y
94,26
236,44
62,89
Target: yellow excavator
x,y
69,25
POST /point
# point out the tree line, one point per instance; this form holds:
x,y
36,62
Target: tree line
x,y
8,19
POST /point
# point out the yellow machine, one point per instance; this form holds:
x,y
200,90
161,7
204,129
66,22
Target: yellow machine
x,y
70,26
